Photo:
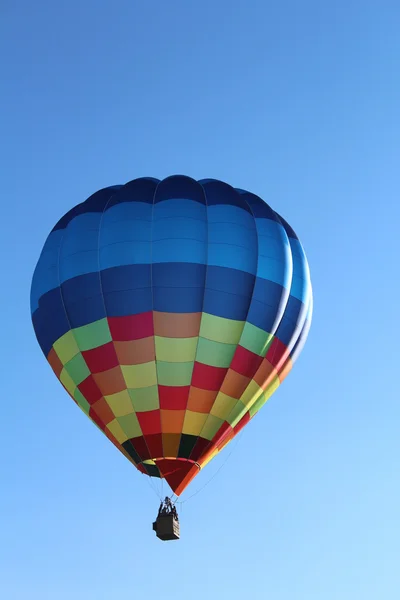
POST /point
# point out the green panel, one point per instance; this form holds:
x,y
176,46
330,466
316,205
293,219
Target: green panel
x,y
215,354
255,339
219,329
67,381
145,399
130,425
81,400
93,335
211,427
236,413
262,399
78,369
66,347
169,373
223,406
175,349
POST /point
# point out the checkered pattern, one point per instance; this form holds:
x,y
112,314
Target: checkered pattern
x,y
171,311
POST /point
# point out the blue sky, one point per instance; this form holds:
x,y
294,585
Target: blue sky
x,y
298,102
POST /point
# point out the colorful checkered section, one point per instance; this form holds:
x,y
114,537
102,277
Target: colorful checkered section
x,y
171,311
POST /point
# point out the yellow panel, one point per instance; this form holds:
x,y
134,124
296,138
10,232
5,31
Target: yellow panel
x,y
220,329
66,347
175,349
223,405
251,393
117,431
120,403
262,399
140,376
211,427
193,422
66,380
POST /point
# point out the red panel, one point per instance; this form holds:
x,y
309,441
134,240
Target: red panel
x,y
135,327
277,353
178,473
101,358
173,397
208,378
140,447
223,431
90,390
96,419
150,422
200,447
155,445
245,362
103,411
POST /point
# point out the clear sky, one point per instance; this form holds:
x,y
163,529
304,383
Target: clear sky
x,y
298,102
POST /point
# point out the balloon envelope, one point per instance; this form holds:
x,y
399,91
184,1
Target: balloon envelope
x,y
170,311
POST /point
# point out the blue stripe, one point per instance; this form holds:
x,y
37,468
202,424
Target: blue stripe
x,y
49,320
220,193
95,204
268,305
139,190
125,253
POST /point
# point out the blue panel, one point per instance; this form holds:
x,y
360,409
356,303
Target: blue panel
x,y
127,211
179,274
190,251
125,253
230,214
225,305
292,322
95,204
178,300
77,242
52,244
269,292
130,277
268,305
179,186
82,224
44,280
264,316
50,321
180,208
219,193
81,287
125,231
139,190
233,257
179,228
300,287
231,281
272,229
290,232
78,264
85,311
45,277
258,207
227,233
299,345
278,271
128,302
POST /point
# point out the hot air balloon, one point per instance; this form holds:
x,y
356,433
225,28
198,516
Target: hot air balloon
x,y
170,311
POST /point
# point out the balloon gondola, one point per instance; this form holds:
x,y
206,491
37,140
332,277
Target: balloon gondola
x,y
170,311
